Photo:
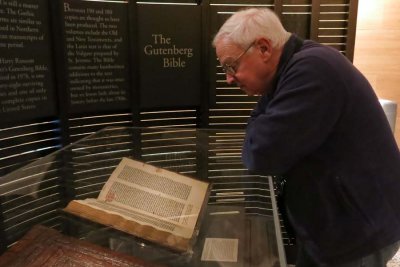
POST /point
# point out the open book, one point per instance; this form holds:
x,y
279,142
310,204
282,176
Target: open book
x,y
149,202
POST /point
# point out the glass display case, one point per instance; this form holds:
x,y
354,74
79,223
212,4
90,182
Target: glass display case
x,y
240,226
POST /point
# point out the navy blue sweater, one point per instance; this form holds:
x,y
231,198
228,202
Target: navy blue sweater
x,y
323,128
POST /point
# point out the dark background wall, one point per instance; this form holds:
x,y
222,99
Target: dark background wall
x,y
69,68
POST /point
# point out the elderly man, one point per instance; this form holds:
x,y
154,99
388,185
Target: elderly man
x,y
319,125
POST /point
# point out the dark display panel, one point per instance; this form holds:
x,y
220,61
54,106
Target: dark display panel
x,y
120,55
169,53
96,55
26,73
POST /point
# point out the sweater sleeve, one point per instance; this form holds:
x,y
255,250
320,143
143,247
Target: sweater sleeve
x,y
298,119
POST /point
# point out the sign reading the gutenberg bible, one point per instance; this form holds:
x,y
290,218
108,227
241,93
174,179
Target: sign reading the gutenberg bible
x,y
169,43
26,78
96,47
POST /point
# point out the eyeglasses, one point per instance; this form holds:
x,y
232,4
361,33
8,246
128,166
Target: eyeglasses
x,y
230,69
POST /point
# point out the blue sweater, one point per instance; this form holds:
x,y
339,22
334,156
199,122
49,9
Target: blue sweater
x,y
323,128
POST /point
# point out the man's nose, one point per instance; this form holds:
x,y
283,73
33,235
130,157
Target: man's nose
x,y
230,79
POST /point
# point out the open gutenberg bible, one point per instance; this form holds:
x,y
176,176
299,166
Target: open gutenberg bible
x,y
149,202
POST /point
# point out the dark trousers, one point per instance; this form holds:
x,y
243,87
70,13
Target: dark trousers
x,y
376,259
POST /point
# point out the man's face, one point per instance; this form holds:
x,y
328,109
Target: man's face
x,y
248,68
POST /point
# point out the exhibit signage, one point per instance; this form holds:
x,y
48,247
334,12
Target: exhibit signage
x,y
96,48
169,55
26,76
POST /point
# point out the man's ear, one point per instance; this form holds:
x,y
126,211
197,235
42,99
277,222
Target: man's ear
x,y
265,47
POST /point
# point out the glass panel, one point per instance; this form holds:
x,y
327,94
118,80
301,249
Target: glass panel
x,y
241,207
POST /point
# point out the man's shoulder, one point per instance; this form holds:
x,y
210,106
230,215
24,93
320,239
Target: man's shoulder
x,y
318,50
319,59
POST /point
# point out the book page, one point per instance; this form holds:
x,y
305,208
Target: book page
x,y
153,196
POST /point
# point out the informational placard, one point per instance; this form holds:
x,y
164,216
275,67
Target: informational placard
x,y
96,55
170,44
26,77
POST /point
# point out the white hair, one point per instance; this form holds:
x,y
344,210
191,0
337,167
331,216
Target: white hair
x,y
245,26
